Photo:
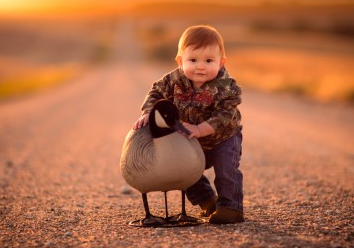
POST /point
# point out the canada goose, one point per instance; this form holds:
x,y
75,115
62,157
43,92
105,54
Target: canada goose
x,y
157,158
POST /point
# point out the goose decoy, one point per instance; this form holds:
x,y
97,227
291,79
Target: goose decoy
x,y
158,157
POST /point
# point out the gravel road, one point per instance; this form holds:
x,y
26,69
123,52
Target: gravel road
x,y
60,184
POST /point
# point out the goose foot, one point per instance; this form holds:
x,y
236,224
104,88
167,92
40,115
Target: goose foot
x,y
179,218
152,221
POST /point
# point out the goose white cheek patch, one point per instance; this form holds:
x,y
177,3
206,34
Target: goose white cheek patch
x,y
160,122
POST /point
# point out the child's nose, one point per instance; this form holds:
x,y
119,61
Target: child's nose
x,y
200,66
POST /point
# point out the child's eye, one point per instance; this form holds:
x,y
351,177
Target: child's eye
x,y
193,60
209,60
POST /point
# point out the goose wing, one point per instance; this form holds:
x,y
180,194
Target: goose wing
x,y
138,154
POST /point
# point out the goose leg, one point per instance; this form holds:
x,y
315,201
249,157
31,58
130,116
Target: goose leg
x,y
183,217
184,202
146,205
166,208
150,220
169,219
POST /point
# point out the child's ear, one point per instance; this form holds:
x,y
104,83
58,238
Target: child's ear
x,y
222,62
179,60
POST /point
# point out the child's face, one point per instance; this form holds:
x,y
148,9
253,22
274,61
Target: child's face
x,y
202,64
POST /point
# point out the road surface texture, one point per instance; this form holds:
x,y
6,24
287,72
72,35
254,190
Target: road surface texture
x,y
60,184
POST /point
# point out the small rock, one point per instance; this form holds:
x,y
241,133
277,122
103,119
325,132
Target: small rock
x,y
49,243
158,231
80,205
9,163
247,244
126,190
335,246
112,196
348,238
68,234
10,225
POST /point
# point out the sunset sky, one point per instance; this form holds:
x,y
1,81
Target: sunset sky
x,y
20,7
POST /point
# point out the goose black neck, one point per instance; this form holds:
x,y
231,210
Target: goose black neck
x,y
155,130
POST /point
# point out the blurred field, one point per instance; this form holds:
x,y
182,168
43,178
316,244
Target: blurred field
x,y
303,50
325,77
39,54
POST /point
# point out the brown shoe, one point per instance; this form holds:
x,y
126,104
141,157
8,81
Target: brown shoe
x,y
226,216
208,207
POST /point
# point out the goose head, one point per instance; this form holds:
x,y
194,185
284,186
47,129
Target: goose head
x,y
164,119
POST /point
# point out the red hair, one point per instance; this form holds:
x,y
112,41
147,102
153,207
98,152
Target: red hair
x,y
199,37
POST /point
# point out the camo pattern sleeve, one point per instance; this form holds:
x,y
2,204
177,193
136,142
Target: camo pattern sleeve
x,y
225,117
161,89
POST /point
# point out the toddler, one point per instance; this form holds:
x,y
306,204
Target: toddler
x,y
207,98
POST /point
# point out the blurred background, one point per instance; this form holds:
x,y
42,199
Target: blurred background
x,y
304,48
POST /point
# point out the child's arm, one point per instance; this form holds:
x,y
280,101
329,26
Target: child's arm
x,y
200,130
161,89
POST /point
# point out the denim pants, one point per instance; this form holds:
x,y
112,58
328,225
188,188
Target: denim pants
x,y
225,158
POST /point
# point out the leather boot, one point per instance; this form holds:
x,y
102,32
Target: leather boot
x,y
208,207
226,216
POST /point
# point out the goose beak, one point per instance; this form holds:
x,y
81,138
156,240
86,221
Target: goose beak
x,y
180,128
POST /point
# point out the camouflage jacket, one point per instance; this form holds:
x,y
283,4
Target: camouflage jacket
x,y
214,102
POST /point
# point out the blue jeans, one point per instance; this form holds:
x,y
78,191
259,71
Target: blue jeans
x,y
225,158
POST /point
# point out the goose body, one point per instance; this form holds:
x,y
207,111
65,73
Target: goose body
x,y
157,158
171,162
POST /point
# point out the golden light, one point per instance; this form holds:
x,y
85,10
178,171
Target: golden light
x,y
18,7
32,7
23,5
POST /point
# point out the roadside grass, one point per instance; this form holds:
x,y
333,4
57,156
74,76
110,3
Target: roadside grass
x,y
38,79
36,56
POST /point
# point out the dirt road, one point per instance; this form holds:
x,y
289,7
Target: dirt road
x,y
60,184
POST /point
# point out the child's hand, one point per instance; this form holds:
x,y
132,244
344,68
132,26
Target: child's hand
x,y
200,130
193,129
141,122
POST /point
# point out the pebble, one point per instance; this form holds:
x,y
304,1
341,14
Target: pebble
x,y
9,163
10,225
158,231
49,243
80,205
247,244
126,190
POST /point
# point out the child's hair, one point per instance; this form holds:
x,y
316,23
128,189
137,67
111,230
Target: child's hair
x,y
200,36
